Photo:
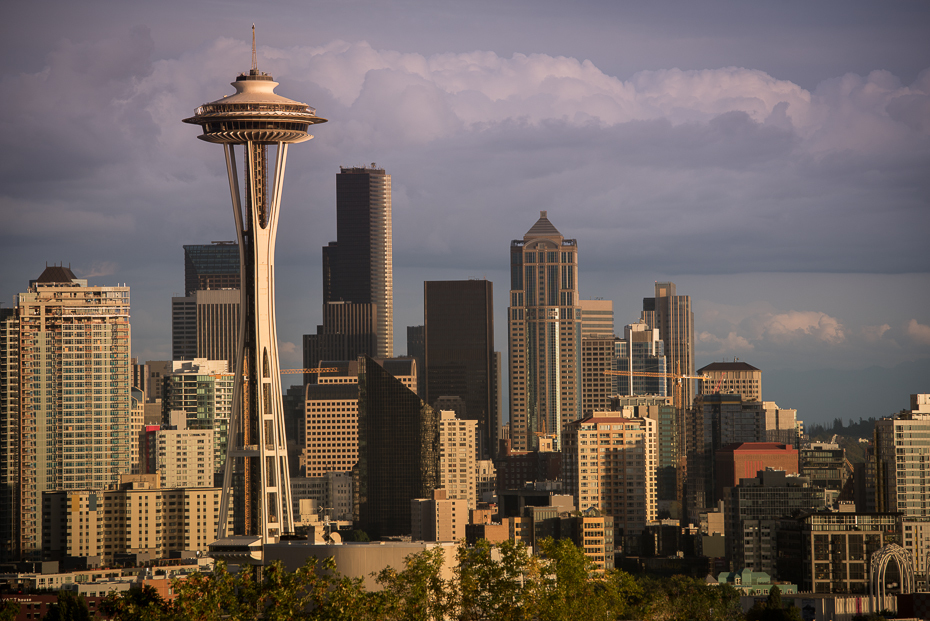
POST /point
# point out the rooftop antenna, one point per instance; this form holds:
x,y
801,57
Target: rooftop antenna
x,y
254,59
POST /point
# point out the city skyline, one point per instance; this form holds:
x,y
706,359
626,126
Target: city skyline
x,y
781,187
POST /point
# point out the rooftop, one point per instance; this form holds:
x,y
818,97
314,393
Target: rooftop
x,y
727,366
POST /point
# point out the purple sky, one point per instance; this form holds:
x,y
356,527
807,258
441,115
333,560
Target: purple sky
x,y
771,159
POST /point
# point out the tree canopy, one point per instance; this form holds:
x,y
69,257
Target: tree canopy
x,y
489,583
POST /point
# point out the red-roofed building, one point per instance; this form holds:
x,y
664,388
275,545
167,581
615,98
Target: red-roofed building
x,y
743,460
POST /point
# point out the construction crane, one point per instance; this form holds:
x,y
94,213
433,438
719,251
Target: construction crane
x,y
678,377
283,371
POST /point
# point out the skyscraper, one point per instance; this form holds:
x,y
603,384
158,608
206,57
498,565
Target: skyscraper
x,y
66,406
256,118
544,335
358,266
398,451
205,324
213,266
671,315
641,351
459,343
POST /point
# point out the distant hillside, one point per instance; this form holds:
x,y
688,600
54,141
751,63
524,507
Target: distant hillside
x,y
862,429
848,436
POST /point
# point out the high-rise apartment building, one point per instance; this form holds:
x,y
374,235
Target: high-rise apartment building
x,y
457,463
669,471
901,446
398,451
203,391
641,351
136,516
732,378
180,457
544,335
331,414
205,324
66,403
213,266
609,462
358,267
671,315
416,349
459,351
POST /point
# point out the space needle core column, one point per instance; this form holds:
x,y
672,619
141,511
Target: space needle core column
x,y
256,473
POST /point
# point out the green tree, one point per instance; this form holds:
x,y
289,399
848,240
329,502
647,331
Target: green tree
x,y
143,604
69,607
8,610
490,581
773,609
417,593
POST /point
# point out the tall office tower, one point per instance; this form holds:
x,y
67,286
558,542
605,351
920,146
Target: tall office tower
x,y
598,359
902,442
347,332
214,266
398,451
203,391
66,398
457,465
256,119
671,315
331,414
544,335
416,349
731,378
608,462
716,421
205,324
641,351
358,266
597,318
459,343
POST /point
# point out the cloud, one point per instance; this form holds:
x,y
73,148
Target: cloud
x,y
711,344
873,334
795,325
96,270
918,332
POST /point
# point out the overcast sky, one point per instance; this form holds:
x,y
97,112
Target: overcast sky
x,y
772,159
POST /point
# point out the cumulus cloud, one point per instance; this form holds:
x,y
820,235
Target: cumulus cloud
x,y
96,270
804,324
918,332
873,334
732,342
717,170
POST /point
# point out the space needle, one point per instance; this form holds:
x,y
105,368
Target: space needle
x,y
256,475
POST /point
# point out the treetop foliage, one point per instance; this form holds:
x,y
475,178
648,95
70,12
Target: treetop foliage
x,y
489,583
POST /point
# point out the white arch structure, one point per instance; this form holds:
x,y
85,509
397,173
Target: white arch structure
x,y
878,566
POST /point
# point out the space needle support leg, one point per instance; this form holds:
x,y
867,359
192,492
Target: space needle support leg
x,y
235,419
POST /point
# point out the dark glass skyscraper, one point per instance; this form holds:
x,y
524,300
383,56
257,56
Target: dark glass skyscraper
x,y
398,451
459,343
358,267
214,266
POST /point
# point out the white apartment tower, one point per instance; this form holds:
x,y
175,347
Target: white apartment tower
x,y
609,462
66,398
458,440
544,335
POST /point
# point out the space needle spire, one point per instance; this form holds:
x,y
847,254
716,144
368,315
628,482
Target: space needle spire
x,y
262,124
